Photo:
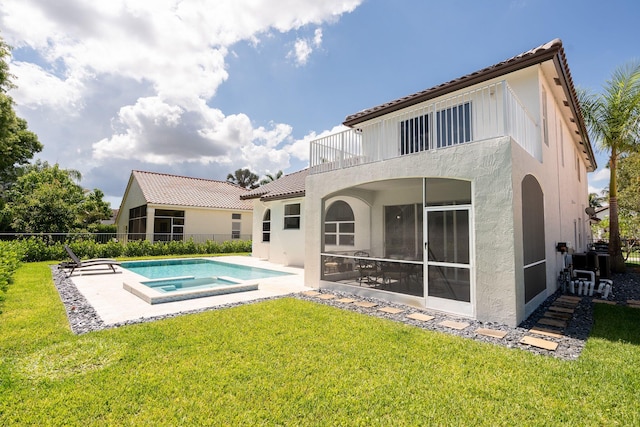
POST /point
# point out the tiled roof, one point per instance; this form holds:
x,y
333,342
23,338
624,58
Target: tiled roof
x,y
164,189
287,187
552,50
523,60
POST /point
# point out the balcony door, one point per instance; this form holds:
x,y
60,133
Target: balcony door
x,y
448,251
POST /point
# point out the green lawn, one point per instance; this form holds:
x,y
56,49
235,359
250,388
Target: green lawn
x,y
294,362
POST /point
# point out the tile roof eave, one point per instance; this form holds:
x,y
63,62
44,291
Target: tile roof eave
x,y
550,51
295,195
502,68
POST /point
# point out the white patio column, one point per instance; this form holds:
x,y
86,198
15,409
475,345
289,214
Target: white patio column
x,y
151,215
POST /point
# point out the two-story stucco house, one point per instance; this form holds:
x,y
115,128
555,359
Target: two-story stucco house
x,y
454,198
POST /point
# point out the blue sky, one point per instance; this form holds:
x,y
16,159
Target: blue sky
x,y
202,88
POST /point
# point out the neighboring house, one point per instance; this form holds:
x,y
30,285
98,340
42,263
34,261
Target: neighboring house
x,y
112,219
598,232
278,221
162,207
457,195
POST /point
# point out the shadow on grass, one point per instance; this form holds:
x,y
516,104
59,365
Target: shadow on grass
x,y
616,323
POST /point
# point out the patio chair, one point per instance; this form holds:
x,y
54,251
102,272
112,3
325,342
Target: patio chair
x,y
76,263
369,269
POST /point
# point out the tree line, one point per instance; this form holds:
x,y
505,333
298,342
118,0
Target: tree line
x,y
37,197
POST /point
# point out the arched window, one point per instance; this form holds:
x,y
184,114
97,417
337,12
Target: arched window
x,y
533,238
266,226
339,225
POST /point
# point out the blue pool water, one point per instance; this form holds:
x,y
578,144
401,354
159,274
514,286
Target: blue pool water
x,y
187,283
197,268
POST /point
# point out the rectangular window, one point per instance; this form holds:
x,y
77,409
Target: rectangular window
x,y
168,225
236,216
266,226
235,230
339,233
452,127
292,216
138,223
414,134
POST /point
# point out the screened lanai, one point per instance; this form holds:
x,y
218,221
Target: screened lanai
x,y
375,240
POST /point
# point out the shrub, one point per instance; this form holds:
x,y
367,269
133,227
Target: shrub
x,y
41,248
10,256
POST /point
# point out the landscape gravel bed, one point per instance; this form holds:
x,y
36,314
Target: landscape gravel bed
x,y
83,318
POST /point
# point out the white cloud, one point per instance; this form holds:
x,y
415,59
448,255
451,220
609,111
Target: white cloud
x,y
317,37
300,148
303,48
602,174
163,60
301,52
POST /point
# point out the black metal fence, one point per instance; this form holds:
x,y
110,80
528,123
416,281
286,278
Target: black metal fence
x,y
125,237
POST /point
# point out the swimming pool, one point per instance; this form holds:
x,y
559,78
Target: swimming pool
x,y
196,267
180,279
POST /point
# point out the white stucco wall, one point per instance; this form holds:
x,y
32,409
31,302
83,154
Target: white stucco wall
x,y
132,198
286,247
213,221
495,167
488,166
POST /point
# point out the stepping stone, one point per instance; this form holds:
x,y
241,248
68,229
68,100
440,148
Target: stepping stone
x,y
491,333
391,310
553,322
366,304
326,296
569,298
454,325
604,301
311,293
546,332
539,342
565,304
346,300
554,315
420,316
561,309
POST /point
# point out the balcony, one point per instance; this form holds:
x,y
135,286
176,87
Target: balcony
x,y
479,114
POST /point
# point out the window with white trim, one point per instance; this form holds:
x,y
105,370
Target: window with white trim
x,y
339,225
452,127
266,226
235,226
292,216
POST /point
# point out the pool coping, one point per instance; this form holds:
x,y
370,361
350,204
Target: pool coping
x,y
152,296
115,305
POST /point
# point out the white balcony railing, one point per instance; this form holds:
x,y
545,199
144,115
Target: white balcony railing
x,y
487,112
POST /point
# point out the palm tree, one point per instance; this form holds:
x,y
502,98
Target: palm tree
x,y
595,200
613,119
244,178
270,178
